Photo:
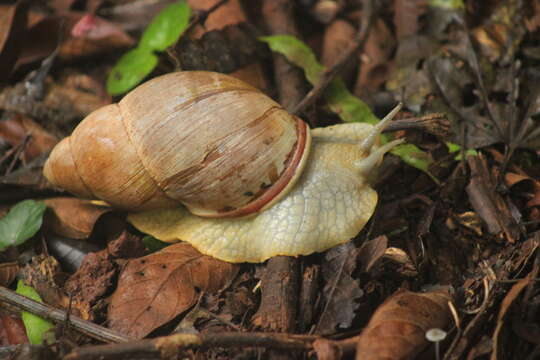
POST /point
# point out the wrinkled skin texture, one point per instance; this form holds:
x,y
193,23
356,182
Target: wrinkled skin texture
x,y
330,204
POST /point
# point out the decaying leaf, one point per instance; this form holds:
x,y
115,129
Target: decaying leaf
x,y
17,127
342,291
397,329
8,272
154,289
508,300
71,217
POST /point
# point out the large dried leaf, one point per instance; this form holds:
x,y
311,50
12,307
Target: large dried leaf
x,y
397,329
71,217
342,291
154,289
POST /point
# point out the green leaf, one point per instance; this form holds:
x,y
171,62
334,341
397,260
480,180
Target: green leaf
x,y
166,27
297,53
130,70
37,328
347,106
21,223
447,4
455,148
414,157
153,244
339,99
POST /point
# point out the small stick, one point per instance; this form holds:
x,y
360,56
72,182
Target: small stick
x,y
59,316
435,123
171,346
329,75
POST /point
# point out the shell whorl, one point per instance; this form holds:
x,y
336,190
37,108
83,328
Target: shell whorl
x,y
206,140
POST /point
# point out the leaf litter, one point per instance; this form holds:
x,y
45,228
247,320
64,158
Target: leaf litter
x,y
476,228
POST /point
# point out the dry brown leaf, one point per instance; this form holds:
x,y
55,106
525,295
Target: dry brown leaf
x,y
375,59
508,300
371,252
407,15
12,27
17,127
91,35
341,291
338,37
15,332
154,289
512,179
71,217
397,329
8,272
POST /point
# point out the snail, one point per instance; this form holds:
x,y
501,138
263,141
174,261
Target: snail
x,y
203,157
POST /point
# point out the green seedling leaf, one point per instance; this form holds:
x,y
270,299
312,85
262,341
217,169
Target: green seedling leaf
x,y
415,157
339,99
21,223
455,148
37,328
153,244
166,27
136,64
297,53
447,4
129,71
347,106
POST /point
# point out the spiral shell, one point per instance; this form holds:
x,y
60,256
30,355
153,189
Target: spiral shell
x,y
204,140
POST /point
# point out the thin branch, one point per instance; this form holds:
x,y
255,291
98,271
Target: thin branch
x,y
368,16
434,123
59,316
171,346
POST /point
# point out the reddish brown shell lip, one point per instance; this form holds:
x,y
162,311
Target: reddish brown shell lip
x,y
269,195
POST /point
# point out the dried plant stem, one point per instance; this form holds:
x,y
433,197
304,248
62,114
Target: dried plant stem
x,y
172,345
8,297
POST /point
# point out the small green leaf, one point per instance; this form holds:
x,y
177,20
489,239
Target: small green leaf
x,y
21,223
37,328
339,99
297,53
447,4
153,244
130,70
347,106
414,157
454,148
166,27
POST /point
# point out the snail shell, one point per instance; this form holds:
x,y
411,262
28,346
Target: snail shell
x,y
204,140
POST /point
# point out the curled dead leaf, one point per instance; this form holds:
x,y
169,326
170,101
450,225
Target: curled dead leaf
x,y
154,289
397,329
71,217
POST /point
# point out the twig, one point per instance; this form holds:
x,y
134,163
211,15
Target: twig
x,y
171,346
59,316
18,153
368,15
435,123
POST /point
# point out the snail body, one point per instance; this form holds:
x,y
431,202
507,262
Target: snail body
x,y
320,200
